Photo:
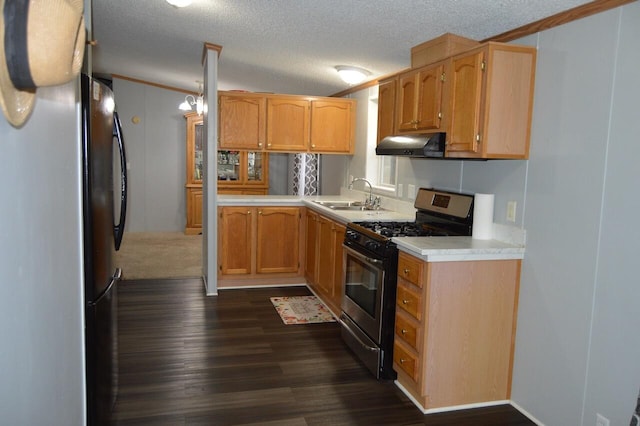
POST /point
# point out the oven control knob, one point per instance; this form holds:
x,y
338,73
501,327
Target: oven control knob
x,y
352,235
372,245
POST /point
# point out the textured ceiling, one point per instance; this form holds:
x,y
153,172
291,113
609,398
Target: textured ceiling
x,y
289,46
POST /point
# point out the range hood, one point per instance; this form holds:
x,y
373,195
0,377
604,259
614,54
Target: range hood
x,y
424,145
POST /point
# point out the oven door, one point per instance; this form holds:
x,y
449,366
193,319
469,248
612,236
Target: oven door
x,y
364,291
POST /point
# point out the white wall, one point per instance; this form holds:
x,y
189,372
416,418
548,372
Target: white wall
x,y
156,154
41,295
577,352
577,120
613,375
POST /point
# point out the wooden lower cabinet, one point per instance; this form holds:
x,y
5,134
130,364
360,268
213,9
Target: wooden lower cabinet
x,y
255,242
454,344
194,211
323,264
277,240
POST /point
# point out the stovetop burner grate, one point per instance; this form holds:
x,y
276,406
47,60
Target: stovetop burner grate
x,y
401,229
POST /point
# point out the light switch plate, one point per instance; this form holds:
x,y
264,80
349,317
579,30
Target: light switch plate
x,y
411,191
511,211
601,420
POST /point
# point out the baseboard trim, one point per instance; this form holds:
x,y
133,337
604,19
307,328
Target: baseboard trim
x,y
240,286
526,413
468,406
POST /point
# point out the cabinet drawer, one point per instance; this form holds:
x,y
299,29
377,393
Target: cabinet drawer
x,y
409,300
405,361
410,269
407,331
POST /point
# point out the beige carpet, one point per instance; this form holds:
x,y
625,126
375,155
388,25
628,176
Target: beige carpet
x,y
145,255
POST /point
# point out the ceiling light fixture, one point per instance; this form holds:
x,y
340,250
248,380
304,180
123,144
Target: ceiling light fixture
x,y
190,101
179,3
352,75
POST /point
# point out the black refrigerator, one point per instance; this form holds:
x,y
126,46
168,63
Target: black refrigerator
x,y
104,188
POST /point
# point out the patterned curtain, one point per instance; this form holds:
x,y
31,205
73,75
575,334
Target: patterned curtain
x,y
305,174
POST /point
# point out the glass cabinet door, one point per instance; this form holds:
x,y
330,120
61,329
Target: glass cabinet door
x,y
197,152
229,166
254,167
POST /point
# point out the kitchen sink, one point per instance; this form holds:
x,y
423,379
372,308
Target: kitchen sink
x,y
345,205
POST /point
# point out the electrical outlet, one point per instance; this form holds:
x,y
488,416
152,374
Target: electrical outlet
x,y
511,211
411,191
399,190
601,420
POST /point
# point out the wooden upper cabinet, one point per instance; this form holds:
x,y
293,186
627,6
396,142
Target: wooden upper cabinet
x,y
491,102
407,102
430,89
386,108
287,123
420,99
466,85
333,125
241,123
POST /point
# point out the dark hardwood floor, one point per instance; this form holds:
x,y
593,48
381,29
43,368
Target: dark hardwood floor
x,y
189,359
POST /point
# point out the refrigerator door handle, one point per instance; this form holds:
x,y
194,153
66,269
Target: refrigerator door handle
x,y
118,230
114,279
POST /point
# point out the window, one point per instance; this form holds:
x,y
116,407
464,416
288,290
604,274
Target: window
x,y
381,169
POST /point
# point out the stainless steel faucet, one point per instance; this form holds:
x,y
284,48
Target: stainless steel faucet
x,y
369,203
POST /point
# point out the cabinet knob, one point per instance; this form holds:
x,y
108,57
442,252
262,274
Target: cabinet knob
x,y
313,145
405,302
259,143
406,271
403,331
248,211
402,360
260,212
269,144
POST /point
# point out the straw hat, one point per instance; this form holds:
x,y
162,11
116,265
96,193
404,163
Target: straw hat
x,y
45,48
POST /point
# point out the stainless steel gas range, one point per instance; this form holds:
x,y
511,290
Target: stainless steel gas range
x,y
370,272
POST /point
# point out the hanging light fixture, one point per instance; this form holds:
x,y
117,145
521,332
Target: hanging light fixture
x,y
179,3
191,101
352,75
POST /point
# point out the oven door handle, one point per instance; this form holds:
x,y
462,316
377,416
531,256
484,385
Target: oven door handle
x,y
367,259
355,336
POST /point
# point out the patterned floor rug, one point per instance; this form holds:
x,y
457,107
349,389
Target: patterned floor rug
x,y
302,310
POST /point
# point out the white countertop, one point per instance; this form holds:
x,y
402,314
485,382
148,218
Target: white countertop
x,y
431,249
342,216
452,249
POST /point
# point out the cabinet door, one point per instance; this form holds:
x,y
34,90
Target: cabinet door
x,y
256,169
230,165
326,238
278,233
195,140
338,275
287,124
466,95
241,121
311,243
235,240
429,113
332,126
194,211
407,102
386,108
